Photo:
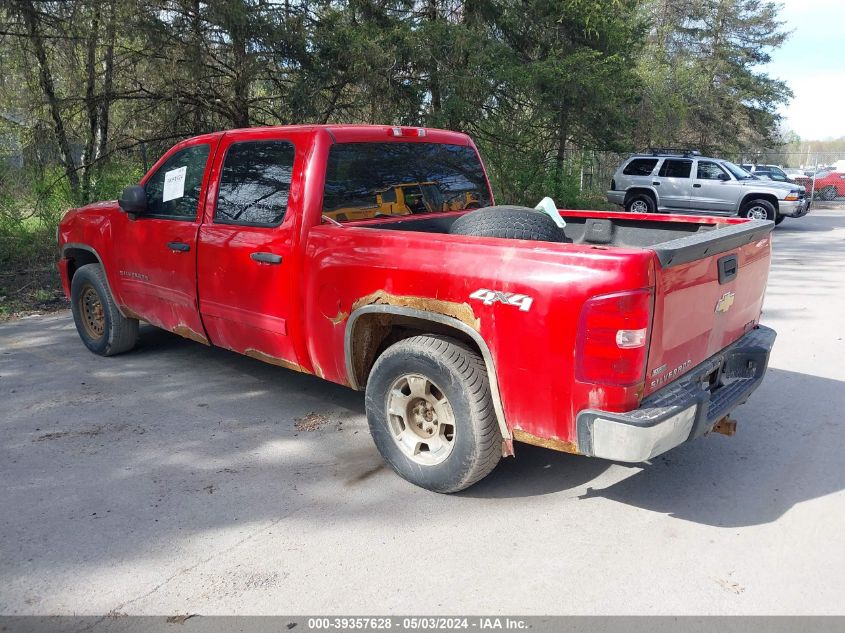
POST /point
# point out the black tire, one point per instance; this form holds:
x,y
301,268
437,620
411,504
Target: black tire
x,y
637,200
459,374
518,223
828,193
101,326
753,208
779,219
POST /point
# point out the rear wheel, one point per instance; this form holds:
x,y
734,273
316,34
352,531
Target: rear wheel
x,y
828,193
640,203
431,413
759,210
101,326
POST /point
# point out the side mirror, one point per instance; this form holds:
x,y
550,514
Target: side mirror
x,y
724,176
133,200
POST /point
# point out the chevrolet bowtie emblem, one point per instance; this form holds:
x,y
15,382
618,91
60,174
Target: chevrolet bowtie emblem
x,y
725,302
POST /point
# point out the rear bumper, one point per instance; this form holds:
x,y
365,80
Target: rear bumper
x,y
616,197
684,409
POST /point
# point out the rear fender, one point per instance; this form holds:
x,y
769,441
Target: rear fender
x,y
650,191
439,322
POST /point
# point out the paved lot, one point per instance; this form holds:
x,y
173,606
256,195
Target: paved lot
x,y
176,479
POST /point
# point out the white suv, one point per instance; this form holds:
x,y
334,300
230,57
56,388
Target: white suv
x,y
687,182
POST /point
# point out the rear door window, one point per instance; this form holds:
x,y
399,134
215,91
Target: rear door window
x,y
368,180
640,167
673,168
255,183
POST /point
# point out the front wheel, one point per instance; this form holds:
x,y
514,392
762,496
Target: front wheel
x,y
828,193
759,210
101,326
779,219
431,413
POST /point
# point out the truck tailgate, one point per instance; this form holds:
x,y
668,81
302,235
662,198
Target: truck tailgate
x,y
709,291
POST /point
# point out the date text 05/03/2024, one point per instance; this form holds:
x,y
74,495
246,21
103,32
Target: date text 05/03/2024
x,y
417,623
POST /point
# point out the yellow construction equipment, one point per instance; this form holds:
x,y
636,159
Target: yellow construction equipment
x,y
405,199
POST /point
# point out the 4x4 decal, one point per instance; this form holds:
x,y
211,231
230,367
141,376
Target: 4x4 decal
x,y
489,297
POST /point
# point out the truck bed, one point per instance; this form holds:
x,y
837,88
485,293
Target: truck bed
x,y
700,264
675,241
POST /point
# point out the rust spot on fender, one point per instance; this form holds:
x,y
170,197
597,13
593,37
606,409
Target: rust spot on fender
x,y
184,330
274,360
130,314
553,443
318,371
460,311
340,318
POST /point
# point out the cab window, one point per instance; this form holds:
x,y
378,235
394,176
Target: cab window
x,y
431,178
709,171
173,191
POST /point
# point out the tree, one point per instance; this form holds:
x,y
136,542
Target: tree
x,y
702,77
536,82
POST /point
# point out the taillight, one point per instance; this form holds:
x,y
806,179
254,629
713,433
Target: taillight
x,y
407,131
613,184
613,334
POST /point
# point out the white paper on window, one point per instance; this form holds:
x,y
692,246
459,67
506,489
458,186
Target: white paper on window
x,y
174,184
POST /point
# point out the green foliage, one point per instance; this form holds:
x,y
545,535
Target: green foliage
x,y
32,201
90,84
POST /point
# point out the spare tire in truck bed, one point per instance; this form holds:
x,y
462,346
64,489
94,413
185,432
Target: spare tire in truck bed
x,y
518,223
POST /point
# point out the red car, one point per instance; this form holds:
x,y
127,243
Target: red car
x,y
619,336
828,186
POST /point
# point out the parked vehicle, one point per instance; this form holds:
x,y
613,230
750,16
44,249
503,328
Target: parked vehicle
x,y
812,171
772,172
619,336
793,173
691,183
828,185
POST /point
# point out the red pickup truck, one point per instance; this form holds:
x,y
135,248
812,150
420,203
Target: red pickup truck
x,y
618,336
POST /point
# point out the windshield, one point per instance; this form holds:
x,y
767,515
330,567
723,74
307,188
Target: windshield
x,y
368,180
738,172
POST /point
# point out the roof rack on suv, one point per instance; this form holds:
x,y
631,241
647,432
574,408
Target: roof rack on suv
x,y
671,151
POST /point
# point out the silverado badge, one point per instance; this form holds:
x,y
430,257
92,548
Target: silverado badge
x,y
725,302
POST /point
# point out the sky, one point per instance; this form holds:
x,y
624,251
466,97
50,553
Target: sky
x,y
812,62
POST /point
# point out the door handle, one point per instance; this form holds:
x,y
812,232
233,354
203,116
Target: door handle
x,y
697,186
266,258
656,182
179,247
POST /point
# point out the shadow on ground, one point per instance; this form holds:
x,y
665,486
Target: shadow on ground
x,y
181,439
